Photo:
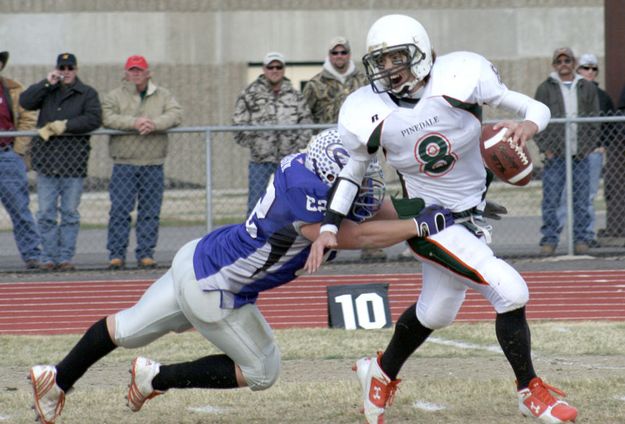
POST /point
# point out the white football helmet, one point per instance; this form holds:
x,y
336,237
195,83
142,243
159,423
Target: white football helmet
x,y
397,34
326,156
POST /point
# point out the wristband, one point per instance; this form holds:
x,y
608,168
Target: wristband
x,y
330,228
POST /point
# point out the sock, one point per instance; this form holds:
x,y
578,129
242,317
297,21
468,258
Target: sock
x,y
92,346
408,336
209,372
514,337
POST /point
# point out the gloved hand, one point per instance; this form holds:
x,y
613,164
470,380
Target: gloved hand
x,y
433,219
52,128
494,210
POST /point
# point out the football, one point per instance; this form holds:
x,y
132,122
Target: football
x,y
508,161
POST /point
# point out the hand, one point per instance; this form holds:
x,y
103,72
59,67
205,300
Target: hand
x,y
144,125
52,128
319,249
519,131
54,77
493,210
432,220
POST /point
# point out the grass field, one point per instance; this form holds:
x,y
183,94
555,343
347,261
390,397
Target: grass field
x,y
458,376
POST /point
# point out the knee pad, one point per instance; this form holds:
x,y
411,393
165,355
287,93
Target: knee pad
x,y
264,373
435,320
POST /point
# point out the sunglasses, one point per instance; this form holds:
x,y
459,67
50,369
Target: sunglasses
x,y
275,67
339,52
589,68
66,68
563,61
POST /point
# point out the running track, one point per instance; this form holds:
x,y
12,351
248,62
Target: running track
x,y
71,307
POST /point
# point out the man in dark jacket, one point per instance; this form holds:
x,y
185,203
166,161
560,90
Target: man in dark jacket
x,y
566,94
69,107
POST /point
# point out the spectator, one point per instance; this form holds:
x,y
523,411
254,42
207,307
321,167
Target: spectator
x,y
327,90
13,180
566,94
138,105
269,100
588,68
66,106
614,231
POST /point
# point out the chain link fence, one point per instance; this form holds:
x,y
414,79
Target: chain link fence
x,y
205,186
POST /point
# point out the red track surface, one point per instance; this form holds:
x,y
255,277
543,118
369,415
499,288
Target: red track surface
x,y
71,307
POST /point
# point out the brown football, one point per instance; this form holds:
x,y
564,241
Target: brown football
x,y
506,159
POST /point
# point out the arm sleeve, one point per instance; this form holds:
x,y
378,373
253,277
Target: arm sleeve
x,y
32,97
530,109
172,112
91,116
112,116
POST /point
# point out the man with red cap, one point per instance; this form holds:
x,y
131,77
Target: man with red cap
x,y
144,108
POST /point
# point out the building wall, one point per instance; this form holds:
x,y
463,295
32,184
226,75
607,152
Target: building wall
x,y
201,49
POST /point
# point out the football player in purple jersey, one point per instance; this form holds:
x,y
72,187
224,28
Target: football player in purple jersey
x,y
213,283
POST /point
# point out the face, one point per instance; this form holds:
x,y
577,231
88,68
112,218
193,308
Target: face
x,y
274,72
589,72
564,66
138,76
400,61
339,58
68,72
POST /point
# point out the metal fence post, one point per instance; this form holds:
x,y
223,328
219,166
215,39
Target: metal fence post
x,y
209,182
568,133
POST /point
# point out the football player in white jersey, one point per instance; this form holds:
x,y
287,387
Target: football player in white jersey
x,y
424,112
213,284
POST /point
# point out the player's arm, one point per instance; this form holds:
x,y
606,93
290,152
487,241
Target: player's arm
x,y
535,115
376,233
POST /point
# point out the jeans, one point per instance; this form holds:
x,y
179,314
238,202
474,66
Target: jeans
x,y
14,197
58,195
130,185
595,165
554,179
259,174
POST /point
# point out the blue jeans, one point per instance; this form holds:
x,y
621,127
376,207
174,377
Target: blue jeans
x,y
595,165
130,185
259,174
554,179
14,197
58,195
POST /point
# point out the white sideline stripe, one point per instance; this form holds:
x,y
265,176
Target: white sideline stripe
x,y
4,417
463,345
207,409
620,398
428,406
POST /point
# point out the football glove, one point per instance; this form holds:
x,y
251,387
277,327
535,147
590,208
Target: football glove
x,y
433,219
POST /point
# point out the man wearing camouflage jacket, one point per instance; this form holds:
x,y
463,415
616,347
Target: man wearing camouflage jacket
x,y
327,90
270,100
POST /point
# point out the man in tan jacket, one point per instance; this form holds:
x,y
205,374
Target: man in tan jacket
x,y
13,157
147,110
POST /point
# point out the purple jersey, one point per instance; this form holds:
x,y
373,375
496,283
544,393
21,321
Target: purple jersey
x,y
267,250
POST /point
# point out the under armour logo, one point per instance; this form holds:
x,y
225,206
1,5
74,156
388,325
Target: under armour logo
x,y
376,393
535,408
375,118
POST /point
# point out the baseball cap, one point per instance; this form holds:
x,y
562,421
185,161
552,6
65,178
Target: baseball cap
x,y
588,59
339,41
136,61
271,56
4,58
66,59
563,51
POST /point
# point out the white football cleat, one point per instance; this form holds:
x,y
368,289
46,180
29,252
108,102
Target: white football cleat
x,y
49,398
377,388
143,371
537,401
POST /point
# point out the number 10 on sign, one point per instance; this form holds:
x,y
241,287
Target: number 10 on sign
x,y
359,306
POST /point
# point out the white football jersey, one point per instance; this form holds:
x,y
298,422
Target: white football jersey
x,y
434,145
